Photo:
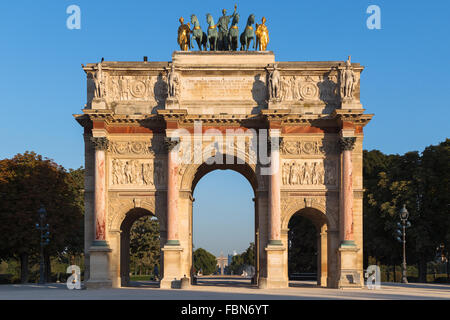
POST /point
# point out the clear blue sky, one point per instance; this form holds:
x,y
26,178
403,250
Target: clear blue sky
x,y
405,83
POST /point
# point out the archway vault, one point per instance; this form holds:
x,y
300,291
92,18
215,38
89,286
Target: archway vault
x,y
192,173
120,208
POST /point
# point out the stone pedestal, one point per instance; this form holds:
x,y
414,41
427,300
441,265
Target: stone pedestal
x,y
172,267
350,277
274,104
172,103
185,283
99,266
99,104
276,277
350,104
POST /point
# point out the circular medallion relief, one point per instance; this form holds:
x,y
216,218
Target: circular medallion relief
x,y
138,88
309,91
137,147
308,147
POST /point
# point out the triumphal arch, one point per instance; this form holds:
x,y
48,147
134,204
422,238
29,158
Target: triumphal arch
x,y
153,129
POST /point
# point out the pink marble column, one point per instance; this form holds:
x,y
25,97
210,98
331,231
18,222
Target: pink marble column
x,y
347,144
274,193
172,193
100,144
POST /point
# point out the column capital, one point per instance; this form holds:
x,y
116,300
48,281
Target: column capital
x,y
171,143
347,143
100,143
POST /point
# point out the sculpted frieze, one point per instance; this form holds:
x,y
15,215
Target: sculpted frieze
x,y
136,88
137,173
308,172
130,147
295,147
309,88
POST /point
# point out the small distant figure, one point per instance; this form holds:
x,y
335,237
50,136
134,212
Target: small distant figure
x,y
262,35
156,272
184,35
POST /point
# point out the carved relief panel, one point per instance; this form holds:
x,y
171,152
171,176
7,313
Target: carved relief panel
x,y
136,88
309,173
136,173
309,88
307,148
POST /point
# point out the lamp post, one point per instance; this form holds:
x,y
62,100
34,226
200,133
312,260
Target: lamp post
x,y
404,214
44,240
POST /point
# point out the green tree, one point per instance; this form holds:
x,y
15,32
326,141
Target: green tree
x,y
246,258
420,181
205,261
302,237
28,181
145,245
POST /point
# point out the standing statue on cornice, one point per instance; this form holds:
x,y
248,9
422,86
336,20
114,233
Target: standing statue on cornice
x,y
348,81
274,84
262,35
223,24
99,82
184,35
173,83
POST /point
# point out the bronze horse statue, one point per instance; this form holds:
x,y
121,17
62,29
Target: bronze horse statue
x,y
213,34
233,34
198,34
248,35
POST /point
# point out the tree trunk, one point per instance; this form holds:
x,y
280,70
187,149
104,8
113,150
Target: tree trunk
x,y
395,276
388,269
24,267
47,267
422,270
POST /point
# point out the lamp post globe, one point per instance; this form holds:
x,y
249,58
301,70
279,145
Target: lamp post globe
x,y
404,214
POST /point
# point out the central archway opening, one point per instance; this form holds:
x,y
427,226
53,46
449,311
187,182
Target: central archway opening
x,y
224,228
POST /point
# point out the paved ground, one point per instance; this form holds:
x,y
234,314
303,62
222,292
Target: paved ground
x,y
226,289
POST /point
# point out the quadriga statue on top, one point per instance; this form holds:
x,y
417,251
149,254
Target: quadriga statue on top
x,y
222,36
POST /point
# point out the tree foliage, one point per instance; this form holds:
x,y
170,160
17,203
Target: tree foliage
x,y
421,182
28,181
246,258
205,261
145,245
302,242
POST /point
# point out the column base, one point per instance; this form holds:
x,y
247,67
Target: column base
x,y
170,284
172,267
349,275
99,266
267,283
276,277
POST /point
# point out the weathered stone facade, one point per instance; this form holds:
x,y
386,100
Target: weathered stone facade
x,y
150,113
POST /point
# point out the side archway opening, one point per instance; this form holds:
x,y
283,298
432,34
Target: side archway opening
x,y
140,254
307,247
